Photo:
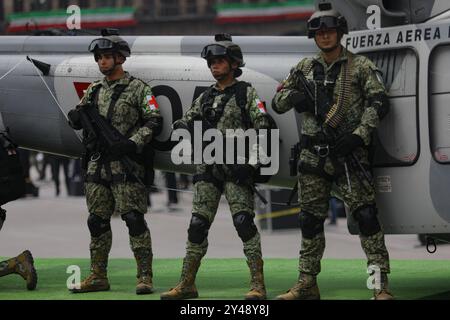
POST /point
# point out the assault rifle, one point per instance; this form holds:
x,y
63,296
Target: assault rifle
x,y
99,132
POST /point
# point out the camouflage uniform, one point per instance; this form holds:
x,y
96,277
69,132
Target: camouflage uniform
x,y
240,197
105,193
221,179
319,174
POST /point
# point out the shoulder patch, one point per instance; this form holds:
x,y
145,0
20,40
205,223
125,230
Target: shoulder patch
x,y
152,103
261,106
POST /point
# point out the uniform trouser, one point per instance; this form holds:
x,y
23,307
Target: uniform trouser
x,y
206,201
122,198
314,198
5,268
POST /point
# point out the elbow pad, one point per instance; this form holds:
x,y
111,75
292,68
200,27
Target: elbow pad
x,y
383,105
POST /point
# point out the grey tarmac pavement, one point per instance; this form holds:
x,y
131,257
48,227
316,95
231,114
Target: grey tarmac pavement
x,y
55,227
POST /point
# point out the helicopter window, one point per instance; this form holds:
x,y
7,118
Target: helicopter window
x,y
439,103
396,140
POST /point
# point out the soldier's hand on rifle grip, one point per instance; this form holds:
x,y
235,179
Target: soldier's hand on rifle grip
x,y
347,144
74,119
300,101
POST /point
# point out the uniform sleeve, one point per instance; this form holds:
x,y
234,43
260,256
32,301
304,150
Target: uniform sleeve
x,y
151,118
257,110
260,120
281,102
193,114
377,103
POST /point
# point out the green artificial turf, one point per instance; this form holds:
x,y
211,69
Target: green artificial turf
x,y
228,279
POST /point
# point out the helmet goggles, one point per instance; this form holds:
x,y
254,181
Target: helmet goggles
x,y
101,44
213,50
325,21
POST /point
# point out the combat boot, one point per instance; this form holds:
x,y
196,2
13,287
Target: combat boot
x,y
257,287
22,265
305,289
185,289
383,293
96,281
144,259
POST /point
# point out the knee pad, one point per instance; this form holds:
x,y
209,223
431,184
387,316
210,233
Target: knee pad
x,y
245,226
310,225
198,229
135,222
98,226
367,221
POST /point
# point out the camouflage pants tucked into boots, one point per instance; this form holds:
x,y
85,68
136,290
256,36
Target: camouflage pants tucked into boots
x,y
97,281
142,248
186,289
252,251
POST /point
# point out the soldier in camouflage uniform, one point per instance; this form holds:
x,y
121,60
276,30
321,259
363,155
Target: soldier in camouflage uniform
x,y
11,188
109,186
22,265
332,146
218,108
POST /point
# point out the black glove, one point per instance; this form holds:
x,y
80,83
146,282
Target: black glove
x,y
2,217
347,144
180,124
301,102
74,119
123,148
243,172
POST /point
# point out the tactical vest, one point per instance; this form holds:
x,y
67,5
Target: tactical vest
x,y
211,115
328,110
324,87
145,159
12,181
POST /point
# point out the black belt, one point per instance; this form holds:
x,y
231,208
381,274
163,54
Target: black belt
x,y
208,176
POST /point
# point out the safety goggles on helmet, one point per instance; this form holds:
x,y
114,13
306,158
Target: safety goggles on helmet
x,y
325,21
101,44
213,50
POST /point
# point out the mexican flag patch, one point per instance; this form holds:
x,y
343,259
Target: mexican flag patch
x,y
151,102
261,106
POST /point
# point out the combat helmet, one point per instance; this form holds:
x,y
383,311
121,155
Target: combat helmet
x,y
328,17
224,47
110,42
